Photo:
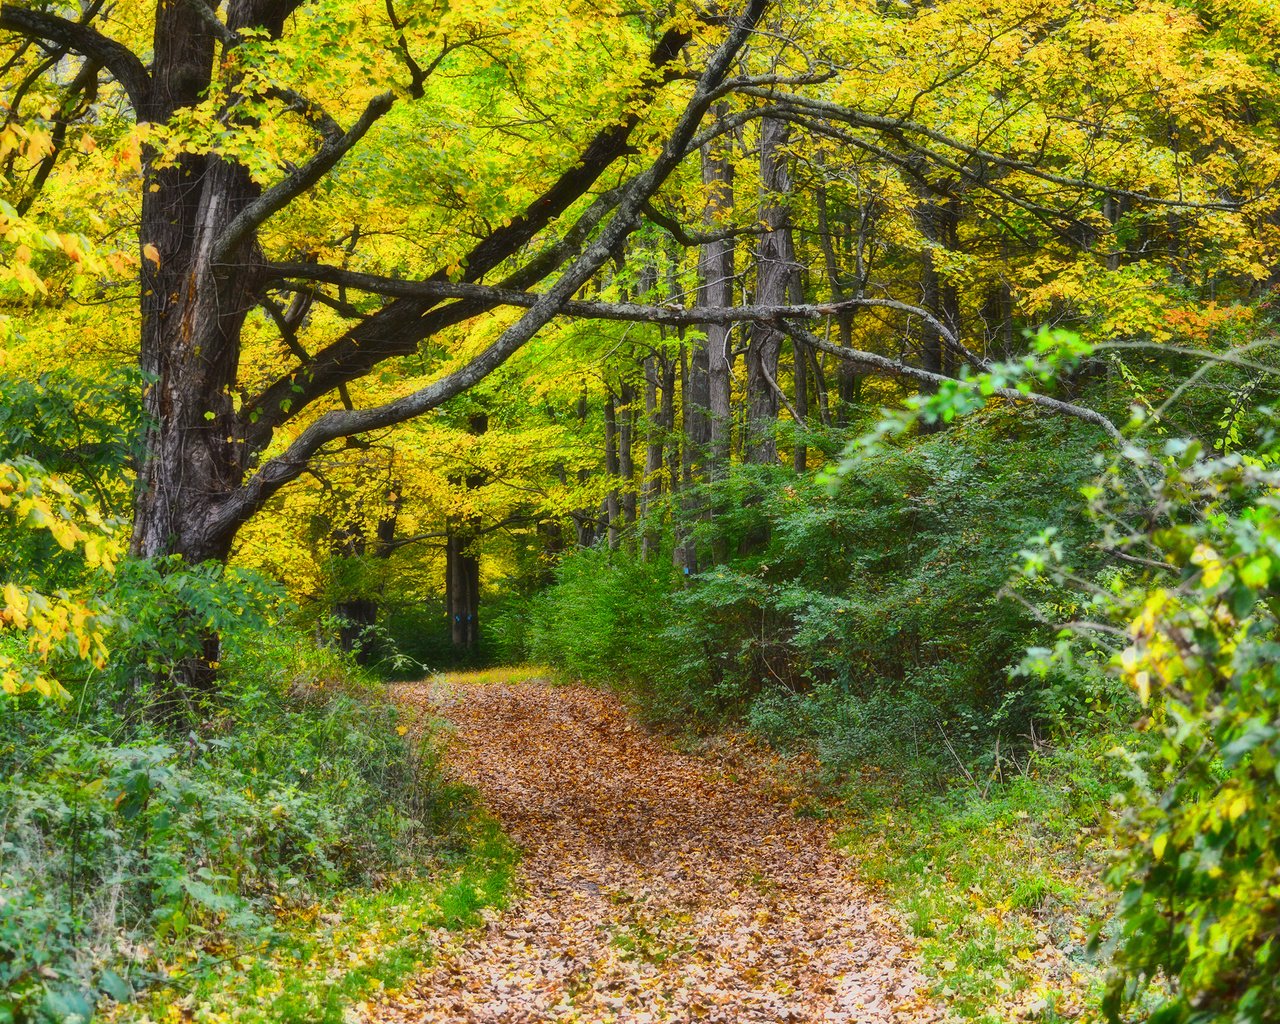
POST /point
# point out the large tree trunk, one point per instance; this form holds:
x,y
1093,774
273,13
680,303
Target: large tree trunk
x,y
193,453
192,313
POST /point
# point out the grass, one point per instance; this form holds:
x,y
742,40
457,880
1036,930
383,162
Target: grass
x,y
1000,889
324,958
507,675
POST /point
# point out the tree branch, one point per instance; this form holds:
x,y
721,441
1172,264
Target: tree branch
x,y
117,58
280,195
693,239
667,315
397,329
210,17
278,471
896,126
894,368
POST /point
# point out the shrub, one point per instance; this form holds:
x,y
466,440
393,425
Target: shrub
x,y
1199,871
121,842
866,623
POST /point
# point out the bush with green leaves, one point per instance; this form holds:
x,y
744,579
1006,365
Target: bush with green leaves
x,y
123,842
1198,639
1192,626
872,622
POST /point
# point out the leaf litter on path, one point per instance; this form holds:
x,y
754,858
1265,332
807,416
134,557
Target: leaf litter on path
x,y
655,886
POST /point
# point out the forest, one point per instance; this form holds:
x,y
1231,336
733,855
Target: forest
x,y
639,511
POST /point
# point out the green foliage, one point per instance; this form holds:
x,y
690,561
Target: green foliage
x,y
1200,862
605,618
83,428
872,622
125,847
51,541
1193,629
165,610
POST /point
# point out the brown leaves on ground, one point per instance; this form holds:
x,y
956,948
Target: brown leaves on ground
x,y
655,887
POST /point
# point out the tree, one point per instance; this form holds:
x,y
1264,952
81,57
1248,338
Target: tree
x,y
204,235
236,120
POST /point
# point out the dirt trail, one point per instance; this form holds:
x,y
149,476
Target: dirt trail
x,y
655,887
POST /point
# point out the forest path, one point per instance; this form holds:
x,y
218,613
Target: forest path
x,y
655,886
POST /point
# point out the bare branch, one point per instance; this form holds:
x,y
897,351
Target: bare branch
x,y
894,368
210,17
782,397
693,239
666,315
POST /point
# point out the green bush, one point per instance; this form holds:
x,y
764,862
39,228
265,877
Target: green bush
x,y
1199,870
1192,626
122,841
872,623
605,617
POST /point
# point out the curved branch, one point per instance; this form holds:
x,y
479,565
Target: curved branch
x,y
693,239
117,58
397,329
433,289
897,369
280,195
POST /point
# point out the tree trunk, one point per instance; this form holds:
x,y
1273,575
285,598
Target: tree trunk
x,y
584,520
715,288
192,454
685,553
626,455
846,372
655,433
358,612
775,270
800,351
462,589
462,561
611,502
939,221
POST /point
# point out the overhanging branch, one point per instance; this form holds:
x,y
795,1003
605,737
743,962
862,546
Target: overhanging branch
x,y
276,472
280,195
117,58
894,368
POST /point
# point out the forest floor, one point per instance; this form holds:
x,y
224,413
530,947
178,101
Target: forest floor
x,y
654,886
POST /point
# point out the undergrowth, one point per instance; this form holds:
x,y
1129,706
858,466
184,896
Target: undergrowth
x,y
226,864
998,880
